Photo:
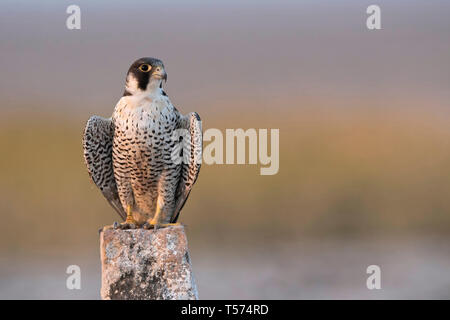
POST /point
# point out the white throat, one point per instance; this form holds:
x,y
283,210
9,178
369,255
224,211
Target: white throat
x,y
153,87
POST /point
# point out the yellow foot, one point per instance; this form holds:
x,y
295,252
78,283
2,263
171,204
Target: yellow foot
x,y
129,223
130,220
149,225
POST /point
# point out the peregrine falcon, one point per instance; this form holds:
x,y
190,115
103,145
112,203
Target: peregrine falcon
x,y
147,156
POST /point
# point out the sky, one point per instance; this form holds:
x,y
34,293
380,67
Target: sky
x,y
225,52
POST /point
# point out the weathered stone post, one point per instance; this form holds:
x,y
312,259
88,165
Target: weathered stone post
x,y
146,264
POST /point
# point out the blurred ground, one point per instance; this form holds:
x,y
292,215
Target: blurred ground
x,y
318,269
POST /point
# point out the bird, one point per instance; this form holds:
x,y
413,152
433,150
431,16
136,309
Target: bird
x,y
147,156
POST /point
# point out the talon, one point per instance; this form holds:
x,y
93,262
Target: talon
x,y
148,226
125,226
130,220
129,223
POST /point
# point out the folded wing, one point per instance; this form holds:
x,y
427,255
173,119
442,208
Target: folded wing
x,y
97,145
192,144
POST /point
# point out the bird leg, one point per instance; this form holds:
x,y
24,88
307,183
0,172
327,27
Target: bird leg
x,y
129,223
153,223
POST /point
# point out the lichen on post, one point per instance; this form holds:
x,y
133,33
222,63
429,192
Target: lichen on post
x,y
142,264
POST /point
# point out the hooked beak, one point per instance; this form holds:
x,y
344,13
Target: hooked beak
x,y
160,73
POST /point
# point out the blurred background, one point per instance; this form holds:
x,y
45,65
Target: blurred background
x,y
364,142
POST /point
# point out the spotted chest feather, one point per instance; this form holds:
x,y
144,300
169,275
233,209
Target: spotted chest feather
x,y
142,151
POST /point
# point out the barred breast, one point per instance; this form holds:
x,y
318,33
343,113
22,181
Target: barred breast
x,y
142,147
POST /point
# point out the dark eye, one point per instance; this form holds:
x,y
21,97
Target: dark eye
x,y
145,67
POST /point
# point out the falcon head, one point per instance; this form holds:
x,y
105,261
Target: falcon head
x,y
144,76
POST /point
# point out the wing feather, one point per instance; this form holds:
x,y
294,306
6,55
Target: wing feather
x,y
97,145
190,168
